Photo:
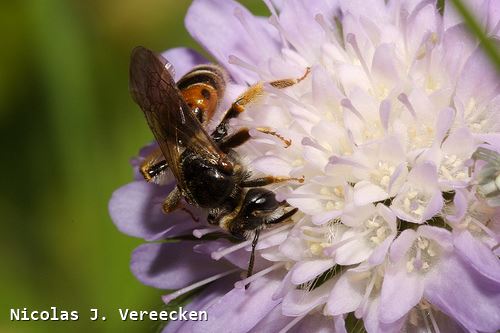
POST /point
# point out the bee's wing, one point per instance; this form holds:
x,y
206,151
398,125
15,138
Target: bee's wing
x,y
172,123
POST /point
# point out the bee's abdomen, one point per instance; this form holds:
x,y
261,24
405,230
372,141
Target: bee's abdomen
x,y
208,187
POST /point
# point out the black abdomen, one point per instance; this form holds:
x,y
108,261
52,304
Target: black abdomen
x,y
208,186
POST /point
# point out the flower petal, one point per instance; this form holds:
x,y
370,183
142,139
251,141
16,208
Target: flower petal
x,y
238,258
372,321
396,301
356,250
298,302
318,323
434,206
160,266
307,270
380,252
402,244
365,192
208,21
479,80
241,309
273,322
272,165
136,210
477,255
385,67
460,205
440,235
213,291
460,291
308,36
346,295
183,59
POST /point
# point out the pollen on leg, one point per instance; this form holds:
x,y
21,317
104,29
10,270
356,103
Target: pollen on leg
x,y
285,83
266,130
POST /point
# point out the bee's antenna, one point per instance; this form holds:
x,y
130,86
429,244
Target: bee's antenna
x,y
252,255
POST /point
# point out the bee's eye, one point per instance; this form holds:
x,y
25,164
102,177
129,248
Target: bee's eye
x,y
259,202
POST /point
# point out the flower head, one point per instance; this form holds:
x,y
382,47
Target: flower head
x,y
398,223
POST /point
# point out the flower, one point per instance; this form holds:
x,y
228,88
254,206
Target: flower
x,y
395,131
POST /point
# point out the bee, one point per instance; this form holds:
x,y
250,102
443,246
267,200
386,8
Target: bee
x,y
202,89
207,169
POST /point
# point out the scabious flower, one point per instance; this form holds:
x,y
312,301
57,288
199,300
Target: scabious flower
x,y
396,131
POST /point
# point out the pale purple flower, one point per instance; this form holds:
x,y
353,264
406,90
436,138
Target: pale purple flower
x,y
398,222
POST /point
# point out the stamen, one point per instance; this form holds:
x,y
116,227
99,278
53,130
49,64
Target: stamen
x,y
403,23
292,323
309,196
312,238
418,259
350,136
330,251
234,60
238,13
294,56
281,94
271,7
345,102
486,230
368,292
242,283
345,161
273,20
216,255
403,98
198,233
496,30
483,154
318,231
351,39
219,254
385,112
422,48
307,141
324,25
174,295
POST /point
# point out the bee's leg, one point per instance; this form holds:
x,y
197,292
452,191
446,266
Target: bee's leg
x,y
153,166
249,96
235,140
196,219
256,91
270,131
267,180
243,135
172,201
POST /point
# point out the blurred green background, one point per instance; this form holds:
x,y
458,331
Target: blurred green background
x,y
68,129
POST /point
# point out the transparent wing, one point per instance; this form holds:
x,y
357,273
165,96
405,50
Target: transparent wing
x,y
170,119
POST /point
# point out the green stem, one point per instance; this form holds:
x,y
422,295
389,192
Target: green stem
x,y
489,47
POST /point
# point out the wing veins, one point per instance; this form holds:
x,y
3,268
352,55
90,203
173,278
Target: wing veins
x,y
174,126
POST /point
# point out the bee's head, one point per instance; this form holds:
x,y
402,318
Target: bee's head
x,y
259,208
